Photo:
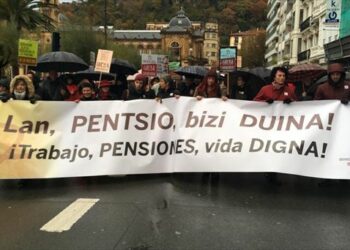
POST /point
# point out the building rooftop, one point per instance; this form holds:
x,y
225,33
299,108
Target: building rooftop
x,y
136,34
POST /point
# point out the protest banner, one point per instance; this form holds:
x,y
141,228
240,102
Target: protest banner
x,y
65,139
154,65
103,61
228,59
27,52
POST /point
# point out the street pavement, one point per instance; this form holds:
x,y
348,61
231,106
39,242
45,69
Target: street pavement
x,y
178,211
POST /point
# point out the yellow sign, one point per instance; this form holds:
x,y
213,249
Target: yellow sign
x,y
27,52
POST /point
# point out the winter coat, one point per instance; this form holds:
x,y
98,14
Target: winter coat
x,y
30,90
326,91
50,89
268,92
162,93
132,94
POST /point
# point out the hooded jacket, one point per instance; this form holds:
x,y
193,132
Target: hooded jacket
x,y
30,90
334,91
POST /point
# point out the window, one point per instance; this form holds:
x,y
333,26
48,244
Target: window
x,y
213,53
213,45
213,35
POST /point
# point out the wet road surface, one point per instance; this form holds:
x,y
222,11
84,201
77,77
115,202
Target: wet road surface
x,y
178,211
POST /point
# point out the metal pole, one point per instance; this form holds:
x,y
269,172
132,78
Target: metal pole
x,y
105,22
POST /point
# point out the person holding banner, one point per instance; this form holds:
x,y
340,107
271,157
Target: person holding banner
x,y
71,90
209,87
22,88
87,91
279,89
336,88
166,88
136,89
240,90
51,87
4,90
104,92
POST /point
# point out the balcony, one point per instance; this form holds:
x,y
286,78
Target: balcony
x,y
275,4
305,55
305,24
271,52
316,51
272,23
271,37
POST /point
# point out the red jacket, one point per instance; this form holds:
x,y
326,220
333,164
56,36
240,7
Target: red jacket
x,y
328,92
268,92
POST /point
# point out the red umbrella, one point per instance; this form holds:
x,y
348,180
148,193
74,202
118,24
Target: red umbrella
x,y
305,71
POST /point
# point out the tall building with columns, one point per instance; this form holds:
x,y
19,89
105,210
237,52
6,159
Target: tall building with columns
x,y
297,32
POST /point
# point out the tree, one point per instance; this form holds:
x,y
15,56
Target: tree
x,y
8,44
25,15
129,53
81,40
253,50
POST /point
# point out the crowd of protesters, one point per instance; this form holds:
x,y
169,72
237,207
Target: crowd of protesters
x,y
66,88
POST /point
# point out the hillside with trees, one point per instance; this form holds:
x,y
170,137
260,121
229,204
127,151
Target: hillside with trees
x,y
232,16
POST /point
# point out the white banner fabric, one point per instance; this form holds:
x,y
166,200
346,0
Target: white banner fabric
x,y
66,139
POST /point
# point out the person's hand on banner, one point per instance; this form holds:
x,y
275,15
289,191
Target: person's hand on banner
x,y
199,97
287,101
224,98
4,100
177,96
158,99
32,101
344,101
77,101
269,101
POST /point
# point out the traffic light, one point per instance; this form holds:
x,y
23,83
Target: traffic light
x,y
55,45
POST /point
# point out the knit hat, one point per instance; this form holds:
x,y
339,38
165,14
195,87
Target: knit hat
x,y
105,83
335,67
140,77
212,73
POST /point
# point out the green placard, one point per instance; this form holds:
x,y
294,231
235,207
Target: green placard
x,y
27,52
174,65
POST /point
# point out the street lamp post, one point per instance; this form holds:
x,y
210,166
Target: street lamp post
x,y
105,22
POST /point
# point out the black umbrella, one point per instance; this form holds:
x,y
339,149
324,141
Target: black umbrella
x,y
261,72
254,78
92,75
122,67
194,71
60,61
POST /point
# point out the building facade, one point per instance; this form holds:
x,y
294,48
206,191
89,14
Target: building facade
x,y
211,42
296,32
184,41
53,13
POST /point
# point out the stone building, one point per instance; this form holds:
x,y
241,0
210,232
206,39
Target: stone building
x,y
184,41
